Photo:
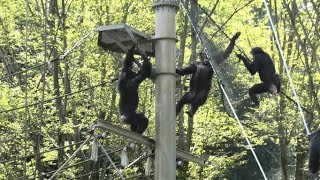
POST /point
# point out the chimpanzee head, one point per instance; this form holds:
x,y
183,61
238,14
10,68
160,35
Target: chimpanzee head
x,y
256,50
129,64
203,57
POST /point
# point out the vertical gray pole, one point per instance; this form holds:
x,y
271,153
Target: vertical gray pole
x,y
165,53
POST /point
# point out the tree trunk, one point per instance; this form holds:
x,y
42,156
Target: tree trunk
x,y
304,46
302,35
300,156
180,85
283,146
280,111
194,19
54,11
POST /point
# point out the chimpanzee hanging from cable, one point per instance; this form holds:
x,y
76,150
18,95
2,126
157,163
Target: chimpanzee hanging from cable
x,y
262,63
128,87
200,83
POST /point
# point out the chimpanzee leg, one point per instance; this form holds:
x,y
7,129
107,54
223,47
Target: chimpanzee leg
x,y
313,160
186,99
277,83
198,101
314,151
133,125
257,89
127,117
140,123
131,119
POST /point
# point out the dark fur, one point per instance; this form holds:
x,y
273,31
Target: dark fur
x,y
200,85
128,87
314,152
262,63
201,77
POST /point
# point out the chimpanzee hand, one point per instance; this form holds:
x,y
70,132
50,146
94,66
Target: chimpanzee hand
x,y
143,52
132,48
236,36
240,57
144,55
178,71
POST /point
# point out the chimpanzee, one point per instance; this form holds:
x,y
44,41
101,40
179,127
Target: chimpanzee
x,y
200,83
267,73
128,86
314,152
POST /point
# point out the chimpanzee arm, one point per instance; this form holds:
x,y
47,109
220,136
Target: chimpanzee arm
x,y
251,66
144,73
146,66
128,61
231,45
192,68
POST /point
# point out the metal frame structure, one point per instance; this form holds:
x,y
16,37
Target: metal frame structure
x,y
165,88
121,37
145,140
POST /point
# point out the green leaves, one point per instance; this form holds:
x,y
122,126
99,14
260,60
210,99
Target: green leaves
x,y
214,134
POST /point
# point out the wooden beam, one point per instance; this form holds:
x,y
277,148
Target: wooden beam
x,y
145,140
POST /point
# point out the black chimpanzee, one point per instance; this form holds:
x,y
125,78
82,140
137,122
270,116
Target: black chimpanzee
x,y
267,73
200,83
314,151
128,86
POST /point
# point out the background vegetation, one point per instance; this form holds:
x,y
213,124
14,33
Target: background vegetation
x,y
47,106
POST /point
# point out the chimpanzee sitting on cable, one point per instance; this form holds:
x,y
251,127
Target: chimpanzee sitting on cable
x,y
200,83
128,86
262,63
314,152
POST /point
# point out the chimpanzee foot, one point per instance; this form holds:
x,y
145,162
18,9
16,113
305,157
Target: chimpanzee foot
x,y
190,114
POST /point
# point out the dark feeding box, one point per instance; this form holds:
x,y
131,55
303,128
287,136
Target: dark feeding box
x,y
121,37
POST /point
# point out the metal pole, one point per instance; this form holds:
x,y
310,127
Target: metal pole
x,y
165,83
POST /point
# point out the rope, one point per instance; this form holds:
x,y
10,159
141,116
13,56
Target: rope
x,y
76,164
69,94
38,160
40,153
76,45
241,50
60,57
143,156
286,67
227,97
219,27
71,157
91,173
26,113
295,103
244,132
115,167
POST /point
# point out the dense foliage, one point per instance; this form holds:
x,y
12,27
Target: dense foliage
x,y
48,104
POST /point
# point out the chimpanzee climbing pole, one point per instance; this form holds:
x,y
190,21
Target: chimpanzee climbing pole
x,y
165,53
